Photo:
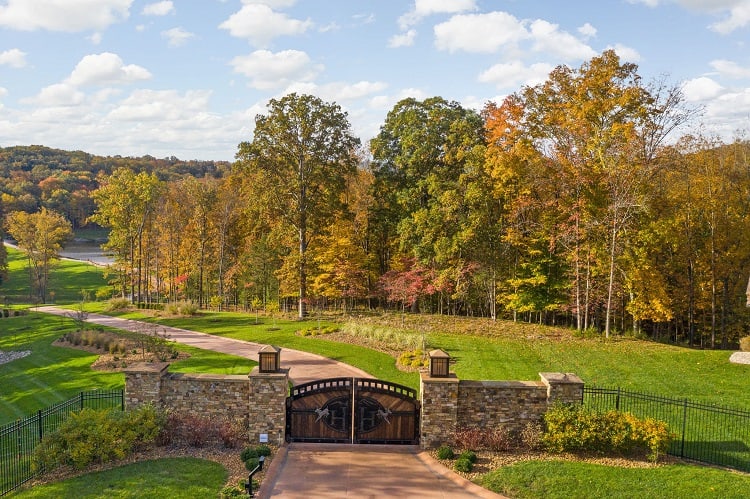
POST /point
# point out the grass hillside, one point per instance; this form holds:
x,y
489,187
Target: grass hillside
x,y
67,280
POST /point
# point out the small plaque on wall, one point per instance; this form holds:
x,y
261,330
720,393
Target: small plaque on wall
x,y
264,438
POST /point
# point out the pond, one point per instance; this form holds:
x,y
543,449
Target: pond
x,y
87,250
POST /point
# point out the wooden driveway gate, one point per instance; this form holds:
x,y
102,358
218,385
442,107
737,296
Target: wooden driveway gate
x,y
352,410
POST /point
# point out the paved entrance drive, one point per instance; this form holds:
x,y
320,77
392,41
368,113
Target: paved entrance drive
x,y
363,471
303,366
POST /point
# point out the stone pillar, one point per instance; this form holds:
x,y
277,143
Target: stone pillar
x,y
566,388
439,414
267,405
143,383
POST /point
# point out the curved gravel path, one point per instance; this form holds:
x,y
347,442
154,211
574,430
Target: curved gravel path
x,y
303,366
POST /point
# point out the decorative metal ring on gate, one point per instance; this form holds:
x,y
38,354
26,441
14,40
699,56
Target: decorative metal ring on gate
x,y
335,414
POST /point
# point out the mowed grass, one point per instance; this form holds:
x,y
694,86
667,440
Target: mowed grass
x,y
704,376
559,479
52,374
49,374
67,280
282,333
159,478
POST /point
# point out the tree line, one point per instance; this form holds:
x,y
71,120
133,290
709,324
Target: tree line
x,y
571,202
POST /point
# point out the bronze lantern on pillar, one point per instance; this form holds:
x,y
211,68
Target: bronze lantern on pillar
x,y
439,364
269,359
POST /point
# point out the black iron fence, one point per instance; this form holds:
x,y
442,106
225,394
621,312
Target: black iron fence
x,y
18,439
705,433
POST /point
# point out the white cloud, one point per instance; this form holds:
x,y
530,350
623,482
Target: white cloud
x,y
96,38
259,24
105,69
274,4
479,32
14,58
587,31
3,91
701,89
158,8
549,39
730,69
269,70
177,36
403,40
626,53
59,94
161,105
736,12
342,92
424,8
67,16
511,75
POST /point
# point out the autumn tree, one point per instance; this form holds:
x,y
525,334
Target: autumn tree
x,y
41,235
304,150
125,203
419,157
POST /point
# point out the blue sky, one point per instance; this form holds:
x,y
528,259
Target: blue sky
x,y
186,78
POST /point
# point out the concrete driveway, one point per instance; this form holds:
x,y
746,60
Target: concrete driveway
x,y
309,471
303,366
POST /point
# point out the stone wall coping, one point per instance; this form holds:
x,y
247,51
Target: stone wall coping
x,y
255,373
147,367
561,378
451,378
532,385
232,378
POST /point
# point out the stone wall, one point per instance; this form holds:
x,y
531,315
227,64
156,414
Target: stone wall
x,y
450,403
259,399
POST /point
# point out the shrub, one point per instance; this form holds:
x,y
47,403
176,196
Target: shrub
x,y
115,304
232,432
196,431
494,439
263,450
463,465
468,454
252,463
97,436
233,491
445,452
574,428
745,344
248,453
531,436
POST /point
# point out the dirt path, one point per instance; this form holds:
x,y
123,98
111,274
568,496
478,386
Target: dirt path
x,y
303,366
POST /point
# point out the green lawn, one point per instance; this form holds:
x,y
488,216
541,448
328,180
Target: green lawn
x,y
566,479
161,478
281,332
53,374
704,376
66,282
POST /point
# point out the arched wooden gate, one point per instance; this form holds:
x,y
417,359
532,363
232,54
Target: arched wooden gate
x,y
352,410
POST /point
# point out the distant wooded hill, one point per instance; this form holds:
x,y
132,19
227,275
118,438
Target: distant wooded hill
x,y
36,176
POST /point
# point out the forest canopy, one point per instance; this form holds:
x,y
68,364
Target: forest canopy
x,y
589,200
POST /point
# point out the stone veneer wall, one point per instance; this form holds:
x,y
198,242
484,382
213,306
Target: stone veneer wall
x,y
259,399
449,403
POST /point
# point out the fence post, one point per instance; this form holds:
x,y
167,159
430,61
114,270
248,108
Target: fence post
x,y
122,400
80,397
39,423
617,400
684,426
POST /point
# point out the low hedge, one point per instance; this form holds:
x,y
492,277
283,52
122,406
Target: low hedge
x,y
575,428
